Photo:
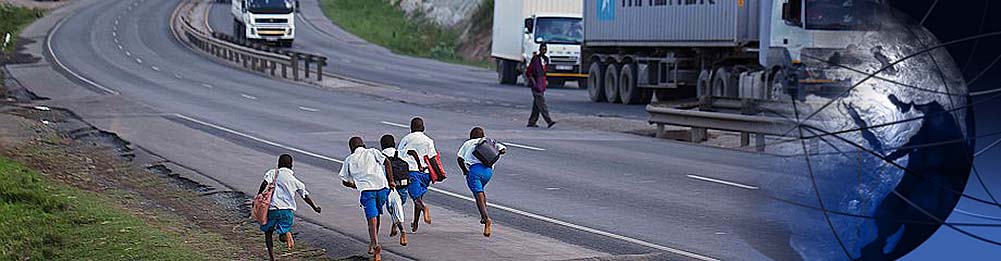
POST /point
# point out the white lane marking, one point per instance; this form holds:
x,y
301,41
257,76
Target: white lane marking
x,y
116,40
308,109
127,53
115,34
451,194
156,68
516,145
116,21
724,182
552,188
345,60
206,85
48,43
177,75
119,47
139,60
244,95
395,124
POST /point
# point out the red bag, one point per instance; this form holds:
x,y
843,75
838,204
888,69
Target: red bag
x,y
435,168
259,210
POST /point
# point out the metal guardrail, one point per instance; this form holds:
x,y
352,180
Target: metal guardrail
x,y
747,122
252,56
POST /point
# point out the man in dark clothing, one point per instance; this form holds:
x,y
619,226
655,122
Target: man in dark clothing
x,y
535,75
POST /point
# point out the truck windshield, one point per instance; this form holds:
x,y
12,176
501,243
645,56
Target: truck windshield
x,y
841,15
269,6
559,30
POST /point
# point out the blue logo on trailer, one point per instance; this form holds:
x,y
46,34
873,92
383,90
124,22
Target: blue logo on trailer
x,y
606,10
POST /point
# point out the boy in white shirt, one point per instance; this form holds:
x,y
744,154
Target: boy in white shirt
x,y
280,213
368,171
477,174
417,145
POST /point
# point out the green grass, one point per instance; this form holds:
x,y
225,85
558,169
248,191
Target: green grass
x,y
43,220
379,22
15,18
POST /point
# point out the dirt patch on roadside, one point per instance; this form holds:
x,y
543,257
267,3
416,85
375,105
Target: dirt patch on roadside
x,y
63,148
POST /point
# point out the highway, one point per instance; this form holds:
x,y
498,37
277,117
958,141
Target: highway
x,y
566,192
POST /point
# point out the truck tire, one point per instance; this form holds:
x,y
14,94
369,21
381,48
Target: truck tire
x,y
629,92
506,73
595,82
612,83
723,83
703,84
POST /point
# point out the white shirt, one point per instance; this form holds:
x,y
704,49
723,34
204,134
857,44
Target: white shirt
x,y
467,149
366,168
285,186
419,142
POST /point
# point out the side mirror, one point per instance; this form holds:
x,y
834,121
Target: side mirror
x,y
243,6
792,12
296,8
529,25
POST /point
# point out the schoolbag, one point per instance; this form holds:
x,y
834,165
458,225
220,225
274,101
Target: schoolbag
x,y
401,169
435,169
486,151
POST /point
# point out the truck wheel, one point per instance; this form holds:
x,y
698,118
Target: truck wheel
x,y
595,82
722,83
612,83
506,73
628,91
703,84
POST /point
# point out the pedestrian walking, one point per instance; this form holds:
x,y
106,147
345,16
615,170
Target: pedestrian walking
x,y
401,178
417,145
283,204
368,171
476,158
535,75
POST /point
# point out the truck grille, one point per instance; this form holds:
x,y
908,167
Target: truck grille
x,y
271,20
562,60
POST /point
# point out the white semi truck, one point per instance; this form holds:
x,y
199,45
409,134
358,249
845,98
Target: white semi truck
x,y
520,26
270,21
635,50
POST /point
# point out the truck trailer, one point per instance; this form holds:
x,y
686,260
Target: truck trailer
x,y
520,26
635,50
270,21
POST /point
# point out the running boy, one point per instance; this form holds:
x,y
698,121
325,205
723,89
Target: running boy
x,y
280,213
477,174
368,171
400,179
417,145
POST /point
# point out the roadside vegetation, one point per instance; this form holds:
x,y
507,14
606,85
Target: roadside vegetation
x,y
14,19
384,24
49,221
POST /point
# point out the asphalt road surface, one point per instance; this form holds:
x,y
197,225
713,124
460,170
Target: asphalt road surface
x,y
571,191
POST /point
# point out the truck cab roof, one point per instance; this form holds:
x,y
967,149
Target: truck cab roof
x,y
558,15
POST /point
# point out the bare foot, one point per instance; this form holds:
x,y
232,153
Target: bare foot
x,y
377,256
427,215
289,242
403,238
487,228
413,226
392,231
371,249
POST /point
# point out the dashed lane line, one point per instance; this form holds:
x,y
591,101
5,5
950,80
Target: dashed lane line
x,y
247,96
455,195
395,124
724,182
308,109
48,44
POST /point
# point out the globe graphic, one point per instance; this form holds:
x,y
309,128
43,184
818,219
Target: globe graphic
x,y
884,157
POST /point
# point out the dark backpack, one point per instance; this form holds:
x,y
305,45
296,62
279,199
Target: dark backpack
x,y
401,170
486,151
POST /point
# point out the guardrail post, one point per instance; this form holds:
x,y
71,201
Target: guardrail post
x,y
243,58
273,68
320,63
759,142
309,59
295,67
699,134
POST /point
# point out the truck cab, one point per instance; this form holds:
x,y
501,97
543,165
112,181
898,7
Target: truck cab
x,y
270,21
563,35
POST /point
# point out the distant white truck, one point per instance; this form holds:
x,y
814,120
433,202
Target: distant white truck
x,y
520,26
264,20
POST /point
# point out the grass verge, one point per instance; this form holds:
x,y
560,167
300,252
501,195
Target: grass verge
x,y
48,221
14,19
384,24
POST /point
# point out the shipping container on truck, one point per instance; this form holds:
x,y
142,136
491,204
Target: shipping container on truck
x,y
520,26
635,50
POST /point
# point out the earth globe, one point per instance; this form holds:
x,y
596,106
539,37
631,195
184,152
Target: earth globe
x,y
882,160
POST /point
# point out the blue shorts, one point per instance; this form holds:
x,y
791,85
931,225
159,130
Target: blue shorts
x,y
373,201
478,177
280,220
419,182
